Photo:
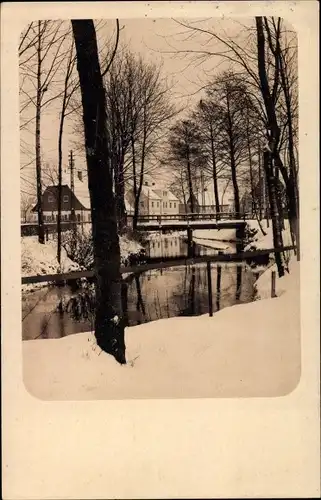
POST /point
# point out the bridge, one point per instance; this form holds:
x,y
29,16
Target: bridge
x,y
180,222
163,223
190,222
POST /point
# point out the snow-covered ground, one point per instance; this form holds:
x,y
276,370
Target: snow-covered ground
x,y
38,259
289,281
42,259
262,241
214,238
245,350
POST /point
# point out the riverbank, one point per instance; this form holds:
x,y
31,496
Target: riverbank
x,y
38,259
261,241
242,351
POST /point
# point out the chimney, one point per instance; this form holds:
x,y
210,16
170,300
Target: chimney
x,y
79,175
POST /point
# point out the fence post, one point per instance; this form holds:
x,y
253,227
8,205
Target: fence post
x,y
273,294
209,288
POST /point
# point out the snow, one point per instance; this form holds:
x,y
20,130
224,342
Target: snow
x,y
38,259
289,280
214,238
261,241
128,246
245,350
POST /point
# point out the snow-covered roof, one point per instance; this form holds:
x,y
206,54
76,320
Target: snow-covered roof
x,y
150,193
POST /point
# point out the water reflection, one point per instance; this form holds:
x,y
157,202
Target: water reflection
x,y
152,295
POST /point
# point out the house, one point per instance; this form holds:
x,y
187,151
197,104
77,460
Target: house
x,y
77,200
155,199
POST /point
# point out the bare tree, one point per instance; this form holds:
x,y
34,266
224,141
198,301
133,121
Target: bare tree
x,y
260,61
26,204
41,54
71,85
209,116
185,142
109,321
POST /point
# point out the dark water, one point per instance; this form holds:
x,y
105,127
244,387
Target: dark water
x,y
179,291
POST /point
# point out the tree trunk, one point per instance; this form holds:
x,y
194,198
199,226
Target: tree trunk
x,y
190,184
109,320
235,186
232,161
279,198
276,228
261,185
216,196
60,136
120,193
294,207
41,229
291,196
140,184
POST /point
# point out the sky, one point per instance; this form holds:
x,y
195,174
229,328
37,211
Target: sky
x,y
158,40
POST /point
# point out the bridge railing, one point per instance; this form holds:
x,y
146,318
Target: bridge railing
x,y
193,216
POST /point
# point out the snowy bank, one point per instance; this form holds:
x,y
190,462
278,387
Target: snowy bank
x,y
38,259
288,282
242,351
262,241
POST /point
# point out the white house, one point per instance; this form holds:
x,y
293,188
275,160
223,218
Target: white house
x,y
155,199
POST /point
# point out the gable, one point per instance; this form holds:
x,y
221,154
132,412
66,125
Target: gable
x,y
69,200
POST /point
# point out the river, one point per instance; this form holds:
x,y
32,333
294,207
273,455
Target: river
x,y
54,312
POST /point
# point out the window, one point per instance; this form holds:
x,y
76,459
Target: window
x,y
164,193
78,217
158,204
152,204
174,205
50,198
170,205
141,203
89,217
66,198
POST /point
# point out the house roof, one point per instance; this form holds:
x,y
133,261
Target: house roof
x,y
170,195
81,190
150,193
